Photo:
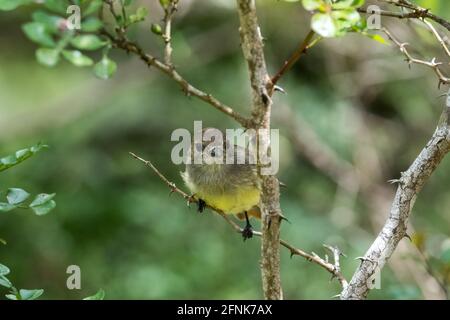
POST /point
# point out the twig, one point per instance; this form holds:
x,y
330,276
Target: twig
x,y
334,269
410,185
293,58
410,59
169,11
417,12
123,43
110,4
438,37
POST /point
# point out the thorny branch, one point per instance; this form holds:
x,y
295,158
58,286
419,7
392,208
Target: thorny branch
x,y
409,186
333,268
410,59
415,13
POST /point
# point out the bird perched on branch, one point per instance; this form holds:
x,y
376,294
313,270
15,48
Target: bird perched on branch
x,y
233,188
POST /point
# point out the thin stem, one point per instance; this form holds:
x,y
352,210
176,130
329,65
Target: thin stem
x,y
304,45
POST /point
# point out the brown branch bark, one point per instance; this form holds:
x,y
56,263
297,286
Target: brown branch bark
x,y
409,186
252,47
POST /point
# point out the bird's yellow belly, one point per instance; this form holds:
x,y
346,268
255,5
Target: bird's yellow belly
x,y
232,203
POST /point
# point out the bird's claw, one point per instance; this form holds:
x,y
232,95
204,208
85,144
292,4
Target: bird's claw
x,y
247,232
201,205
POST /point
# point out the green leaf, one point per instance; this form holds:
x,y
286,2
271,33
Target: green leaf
x,y
324,25
142,12
11,296
4,282
44,208
33,294
7,5
140,15
311,5
47,57
377,38
91,24
42,199
87,42
358,3
93,7
105,68
37,32
5,207
52,23
59,6
100,295
16,196
43,204
77,58
343,4
164,3
156,29
4,270
20,156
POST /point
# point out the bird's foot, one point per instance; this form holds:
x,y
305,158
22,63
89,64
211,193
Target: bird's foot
x,y
247,232
201,205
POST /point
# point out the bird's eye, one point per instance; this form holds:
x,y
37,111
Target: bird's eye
x,y
213,152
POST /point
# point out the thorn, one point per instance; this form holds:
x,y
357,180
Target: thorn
x,y
336,296
292,253
362,259
279,89
173,188
395,181
408,236
283,218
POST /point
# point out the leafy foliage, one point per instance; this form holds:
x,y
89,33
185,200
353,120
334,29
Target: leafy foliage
x,y
334,18
14,293
20,156
100,295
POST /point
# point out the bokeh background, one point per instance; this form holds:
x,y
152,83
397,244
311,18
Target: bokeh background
x,y
354,116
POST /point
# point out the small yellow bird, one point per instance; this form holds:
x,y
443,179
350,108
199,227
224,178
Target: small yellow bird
x,y
232,188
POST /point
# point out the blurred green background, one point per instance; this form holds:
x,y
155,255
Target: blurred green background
x,y
114,217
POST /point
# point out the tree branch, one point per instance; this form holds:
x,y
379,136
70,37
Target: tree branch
x,y
334,269
123,43
252,48
417,12
169,11
410,59
410,185
303,47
